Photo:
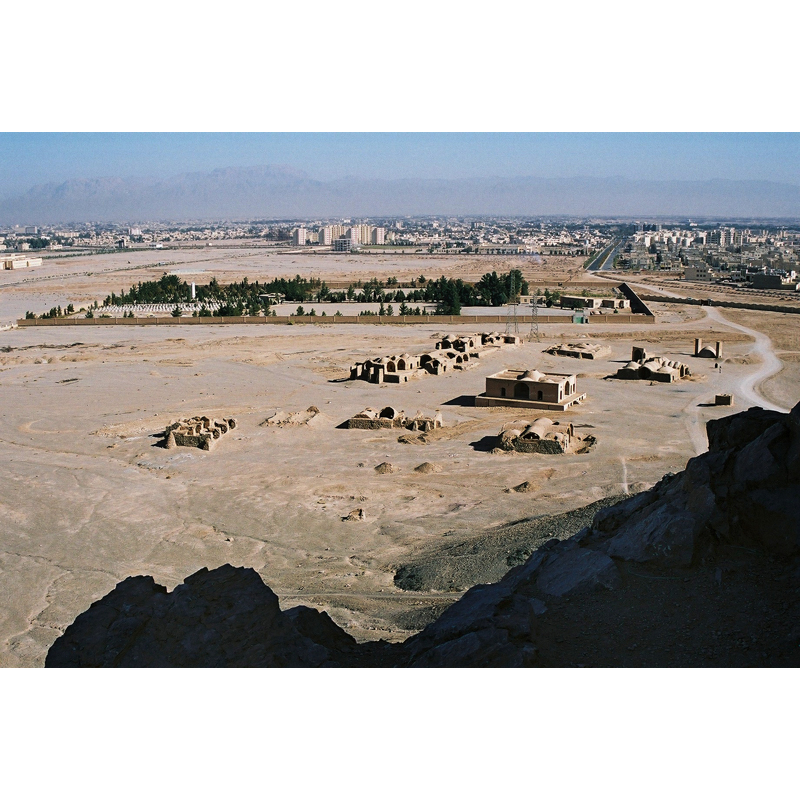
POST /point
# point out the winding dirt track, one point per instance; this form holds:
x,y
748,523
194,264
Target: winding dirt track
x,y
746,389
770,363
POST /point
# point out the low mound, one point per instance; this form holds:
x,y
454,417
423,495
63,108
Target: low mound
x,y
426,468
385,468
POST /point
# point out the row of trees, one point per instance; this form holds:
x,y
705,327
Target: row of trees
x,y
239,296
242,297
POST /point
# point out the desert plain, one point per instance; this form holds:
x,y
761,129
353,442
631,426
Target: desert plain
x,y
88,496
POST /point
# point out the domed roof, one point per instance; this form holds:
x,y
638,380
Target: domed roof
x,y
531,374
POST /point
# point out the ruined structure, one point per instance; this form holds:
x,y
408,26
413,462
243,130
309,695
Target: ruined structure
x,y
451,352
201,432
284,419
388,417
708,351
580,350
644,366
540,436
530,389
723,400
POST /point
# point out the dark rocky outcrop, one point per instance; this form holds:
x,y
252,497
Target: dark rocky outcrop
x,y
223,617
702,569
743,491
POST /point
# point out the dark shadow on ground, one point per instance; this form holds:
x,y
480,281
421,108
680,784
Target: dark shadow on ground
x,y
466,400
486,444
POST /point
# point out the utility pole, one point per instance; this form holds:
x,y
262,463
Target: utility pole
x,y
512,324
535,319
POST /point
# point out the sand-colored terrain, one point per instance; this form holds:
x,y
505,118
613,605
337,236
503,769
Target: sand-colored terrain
x,y
87,497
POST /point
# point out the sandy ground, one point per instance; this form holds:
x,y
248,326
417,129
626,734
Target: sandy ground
x,y
87,497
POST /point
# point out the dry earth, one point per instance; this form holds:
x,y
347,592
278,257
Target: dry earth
x,y
87,497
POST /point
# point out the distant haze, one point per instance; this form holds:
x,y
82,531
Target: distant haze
x,y
280,192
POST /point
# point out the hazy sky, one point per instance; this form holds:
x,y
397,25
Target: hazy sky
x,y
29,159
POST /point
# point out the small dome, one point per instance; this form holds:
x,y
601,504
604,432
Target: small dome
x,y
531,374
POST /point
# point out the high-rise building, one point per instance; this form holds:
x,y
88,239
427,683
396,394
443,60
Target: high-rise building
x,y
325,235
365,233
299,237
378,235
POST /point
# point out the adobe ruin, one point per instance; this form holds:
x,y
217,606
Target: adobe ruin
x,y
202,432
543,435
708,351
388,417
451,352
530,389
589,350
285,419
644,366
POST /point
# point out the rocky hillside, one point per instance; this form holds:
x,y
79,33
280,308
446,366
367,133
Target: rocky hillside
x,y
702,569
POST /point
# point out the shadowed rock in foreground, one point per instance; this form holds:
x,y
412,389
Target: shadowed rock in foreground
x,y
702,569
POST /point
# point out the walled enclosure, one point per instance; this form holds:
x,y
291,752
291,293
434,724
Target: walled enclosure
x,y
202,432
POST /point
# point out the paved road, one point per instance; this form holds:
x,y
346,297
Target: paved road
x,y
603,258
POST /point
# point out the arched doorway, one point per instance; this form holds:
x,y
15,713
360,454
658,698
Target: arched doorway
x,y
521,391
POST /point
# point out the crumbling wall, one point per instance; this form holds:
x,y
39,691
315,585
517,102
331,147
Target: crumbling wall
x,y
201,432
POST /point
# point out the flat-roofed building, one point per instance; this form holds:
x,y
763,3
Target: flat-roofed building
x,y
299,237
20,262
573,301
530,389
698,272
495,249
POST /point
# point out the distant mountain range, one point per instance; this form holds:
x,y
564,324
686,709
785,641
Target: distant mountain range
x,y
274,192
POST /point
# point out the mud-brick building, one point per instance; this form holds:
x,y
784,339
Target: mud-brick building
x,y
530,389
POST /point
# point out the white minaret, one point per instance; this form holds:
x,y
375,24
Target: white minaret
x,y
193,296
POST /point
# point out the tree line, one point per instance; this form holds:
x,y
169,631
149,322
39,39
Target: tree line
x,y
240,297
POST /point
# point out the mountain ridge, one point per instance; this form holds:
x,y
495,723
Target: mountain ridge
x,y
281,192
